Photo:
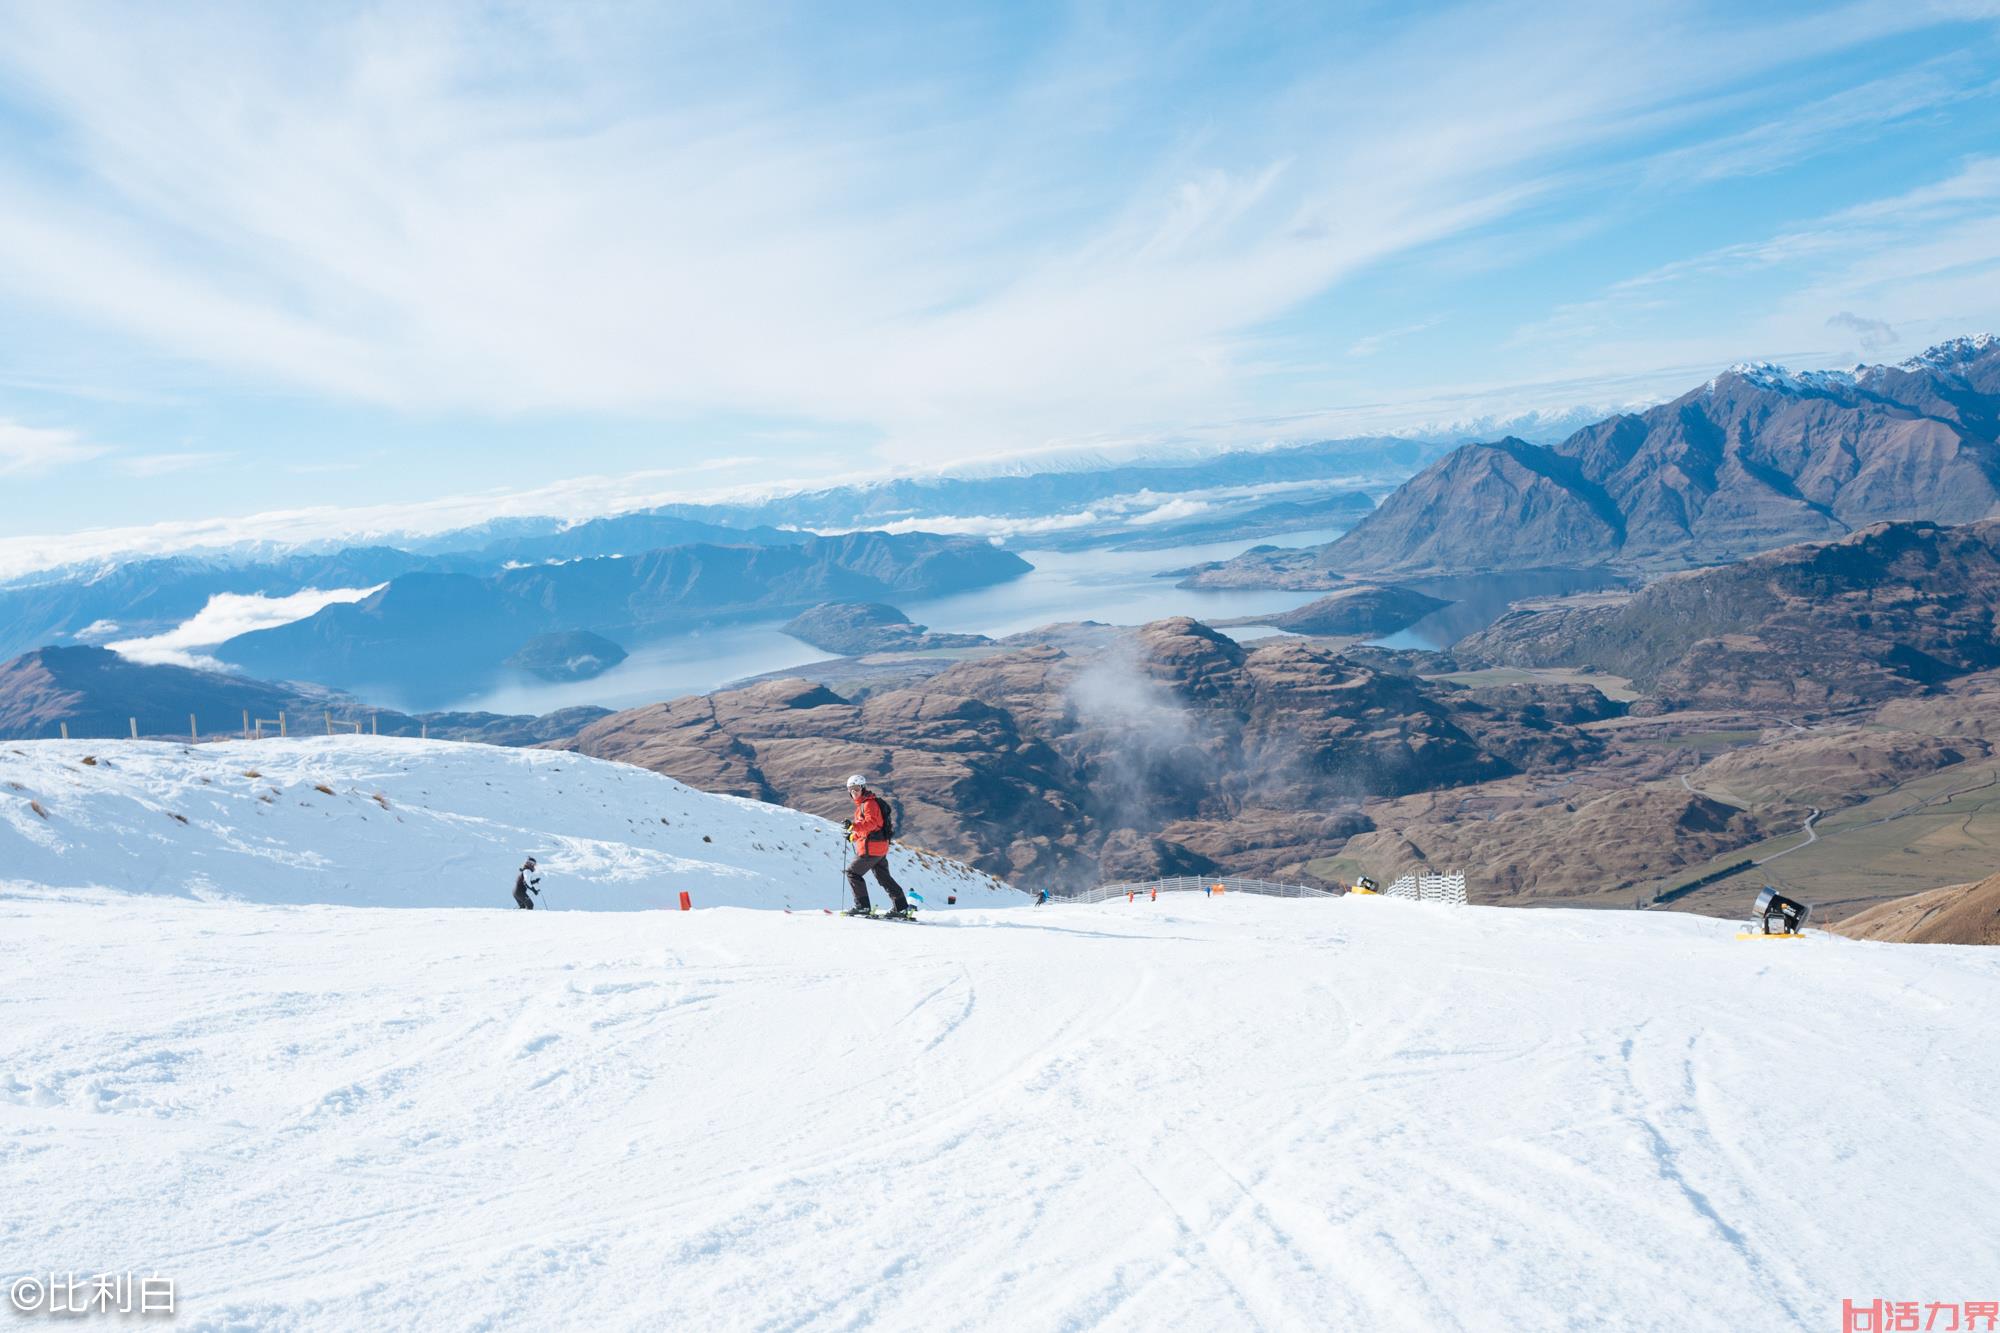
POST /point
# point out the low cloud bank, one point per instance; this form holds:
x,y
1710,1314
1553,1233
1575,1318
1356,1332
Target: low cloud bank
x,y
227,615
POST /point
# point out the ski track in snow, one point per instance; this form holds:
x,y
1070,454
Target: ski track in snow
x,y
1196,1113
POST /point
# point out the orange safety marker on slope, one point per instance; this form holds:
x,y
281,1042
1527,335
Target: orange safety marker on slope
x,y
687,901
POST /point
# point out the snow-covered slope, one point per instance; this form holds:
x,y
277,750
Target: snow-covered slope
x,y
1225,1113
404,823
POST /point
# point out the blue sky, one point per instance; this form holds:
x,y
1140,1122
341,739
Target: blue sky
x,y
367,266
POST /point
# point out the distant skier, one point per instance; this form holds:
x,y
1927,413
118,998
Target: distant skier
x,y
525,883
1041,897
869,830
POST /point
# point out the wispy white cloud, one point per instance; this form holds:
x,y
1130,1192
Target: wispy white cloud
x,y
1874,334
31,450
1370,344
428,210
1826,122
1922,262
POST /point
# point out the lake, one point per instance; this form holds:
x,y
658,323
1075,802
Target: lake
x,y
1117,587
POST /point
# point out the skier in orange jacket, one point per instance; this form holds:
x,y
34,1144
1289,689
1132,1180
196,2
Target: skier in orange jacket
x,y
870,832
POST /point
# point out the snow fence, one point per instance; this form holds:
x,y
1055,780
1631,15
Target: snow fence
x,y
1428,888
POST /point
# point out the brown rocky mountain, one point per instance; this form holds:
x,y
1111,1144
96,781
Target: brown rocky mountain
x,y
1971,707
1533,851
1892,610
1506,505
1756,458
1170,748
1958,914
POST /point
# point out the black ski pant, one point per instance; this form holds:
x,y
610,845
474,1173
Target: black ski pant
x,y
522,899
879,866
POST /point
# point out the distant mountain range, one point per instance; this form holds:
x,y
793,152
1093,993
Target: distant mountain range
x,y
1756,458
1040,494
1252,492
443,634
96,693
139,598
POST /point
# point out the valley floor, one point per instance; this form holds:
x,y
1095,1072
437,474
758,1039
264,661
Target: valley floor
x,y
1202,1114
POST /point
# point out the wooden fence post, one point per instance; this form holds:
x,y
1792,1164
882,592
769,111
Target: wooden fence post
x,y
135,727
246,724
65,730
194,732
281,725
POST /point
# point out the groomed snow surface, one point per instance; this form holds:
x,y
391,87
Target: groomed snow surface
x,y
1194,1114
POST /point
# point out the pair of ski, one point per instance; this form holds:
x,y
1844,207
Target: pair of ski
x,y
872,915
869,915
865,916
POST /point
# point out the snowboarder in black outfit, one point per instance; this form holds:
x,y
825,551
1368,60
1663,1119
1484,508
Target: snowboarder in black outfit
x,y
869,831
525,883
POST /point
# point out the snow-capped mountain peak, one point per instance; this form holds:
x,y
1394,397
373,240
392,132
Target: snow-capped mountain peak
x,y
1771,375
1943,358
1952,353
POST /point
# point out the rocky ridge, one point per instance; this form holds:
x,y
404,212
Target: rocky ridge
x,y
1888,612
1756,458
1168,747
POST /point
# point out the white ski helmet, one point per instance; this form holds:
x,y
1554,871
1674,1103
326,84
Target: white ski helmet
x,y
856,780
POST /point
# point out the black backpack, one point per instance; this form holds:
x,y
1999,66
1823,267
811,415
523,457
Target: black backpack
x,y
888,829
